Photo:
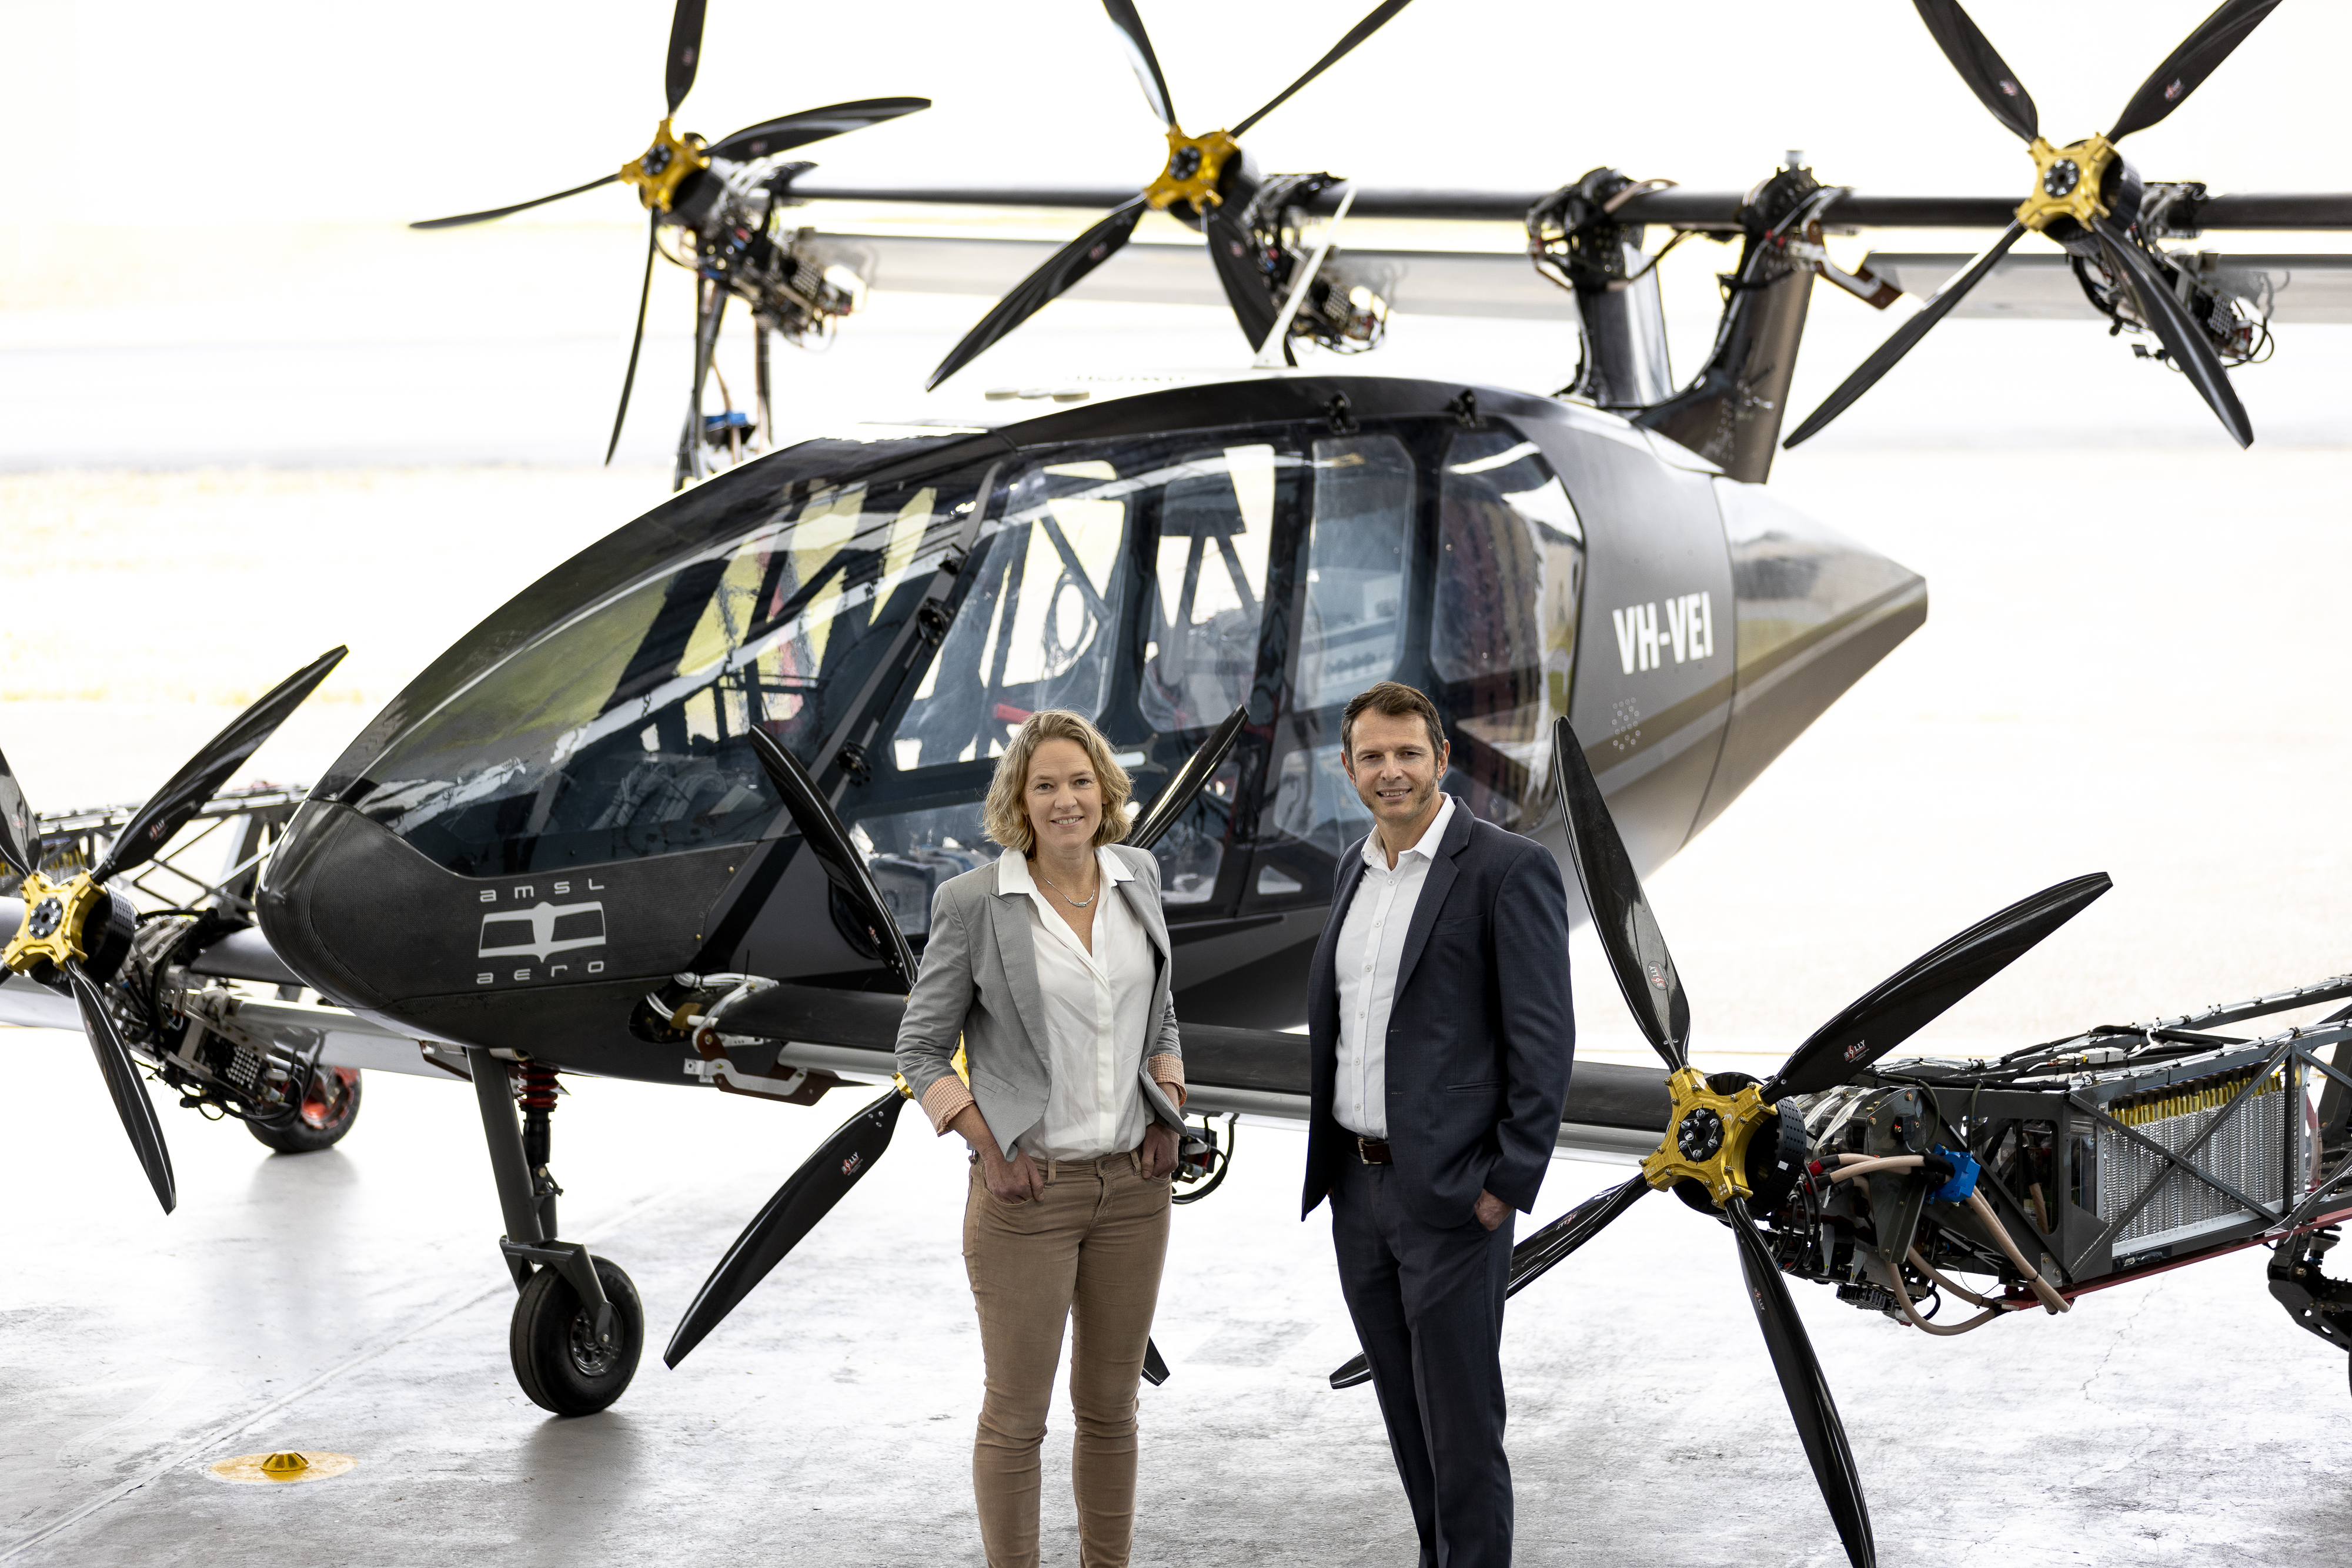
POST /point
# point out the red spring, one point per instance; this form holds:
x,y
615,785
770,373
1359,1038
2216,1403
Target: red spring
x,y
535,1085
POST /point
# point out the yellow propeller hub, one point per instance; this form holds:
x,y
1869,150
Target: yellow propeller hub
x,y
1707,1136
2066,182
665,164
54,915
1195,163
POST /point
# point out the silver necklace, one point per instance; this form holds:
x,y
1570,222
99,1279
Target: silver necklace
x,y
1073,903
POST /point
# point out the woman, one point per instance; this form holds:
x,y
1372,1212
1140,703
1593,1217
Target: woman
x,y
1051,967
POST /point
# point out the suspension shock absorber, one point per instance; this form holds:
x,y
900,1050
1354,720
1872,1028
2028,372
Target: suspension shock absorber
x,y
535,1088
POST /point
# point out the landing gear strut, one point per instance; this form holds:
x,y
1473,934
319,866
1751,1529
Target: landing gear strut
x,y
578,1328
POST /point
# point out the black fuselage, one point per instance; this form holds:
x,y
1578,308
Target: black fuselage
x,y
562,813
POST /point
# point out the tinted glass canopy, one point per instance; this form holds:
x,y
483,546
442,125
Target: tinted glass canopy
x,y
624,731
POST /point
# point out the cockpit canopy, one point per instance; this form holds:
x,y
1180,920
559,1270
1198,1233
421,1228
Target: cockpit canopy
x,y
902,627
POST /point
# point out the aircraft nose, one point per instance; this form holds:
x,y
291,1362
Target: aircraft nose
x,y
333,904
1815,611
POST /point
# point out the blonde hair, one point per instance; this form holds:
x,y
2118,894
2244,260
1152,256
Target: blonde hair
x,y
1005,813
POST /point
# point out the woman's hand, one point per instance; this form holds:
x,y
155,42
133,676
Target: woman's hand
x,y
1015,1180
1012,1181
1158,1150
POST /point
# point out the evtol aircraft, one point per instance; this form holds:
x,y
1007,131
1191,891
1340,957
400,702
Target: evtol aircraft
x,y
675,812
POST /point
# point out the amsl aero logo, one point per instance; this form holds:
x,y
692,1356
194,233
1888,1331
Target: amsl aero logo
x,y
539,933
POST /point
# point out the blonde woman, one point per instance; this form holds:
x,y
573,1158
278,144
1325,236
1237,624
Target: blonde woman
x,y
1052,968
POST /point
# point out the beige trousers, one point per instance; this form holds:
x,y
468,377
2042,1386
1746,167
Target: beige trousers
x,y
1088,1250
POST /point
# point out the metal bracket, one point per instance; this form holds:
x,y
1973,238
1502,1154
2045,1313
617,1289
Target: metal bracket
x,y
571,1260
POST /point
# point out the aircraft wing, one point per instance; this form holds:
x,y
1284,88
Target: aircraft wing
x,y
1615,1112
1416,282
2043,287
1674,206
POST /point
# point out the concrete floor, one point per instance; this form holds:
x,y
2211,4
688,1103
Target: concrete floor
x,y
350,1302
2134,662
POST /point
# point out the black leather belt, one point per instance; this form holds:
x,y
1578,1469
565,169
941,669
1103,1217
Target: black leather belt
x,y
1373,1150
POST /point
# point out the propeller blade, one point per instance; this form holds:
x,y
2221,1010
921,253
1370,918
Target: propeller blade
x,y
1981,67
1233,250
829,840
808,1195
1532,1258
637,340
1537,1253
1137,44
1340,51
1906,337
1042,287
1917,994
462,219
19,838
153,825
782,135
1809,1404
1621,912
130,1101
1188,782
2190,347
685,51
2185,70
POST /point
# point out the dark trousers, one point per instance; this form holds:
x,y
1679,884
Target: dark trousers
x,y
1428,1305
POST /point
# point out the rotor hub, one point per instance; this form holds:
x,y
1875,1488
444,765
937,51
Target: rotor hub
x,y
664,167
57,916
1195,166
1699,1134
1710,1135
2067,182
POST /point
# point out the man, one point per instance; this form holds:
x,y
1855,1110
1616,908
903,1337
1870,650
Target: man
x,y
1438,1014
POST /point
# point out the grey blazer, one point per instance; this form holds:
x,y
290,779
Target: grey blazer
x,y
979,985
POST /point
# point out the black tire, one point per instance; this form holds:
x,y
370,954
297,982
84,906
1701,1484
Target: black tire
x,y
552,1343
328,1108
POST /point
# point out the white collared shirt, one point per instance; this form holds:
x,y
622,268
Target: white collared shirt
x,y
1371,946
1097,1015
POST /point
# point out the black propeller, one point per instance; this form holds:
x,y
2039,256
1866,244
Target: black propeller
x,y
807,1196
1996,88
169,808
685,51
74,931
1635,948
658,178
1883,1017
1186,782
1198,184
764,140
1806,1390
1914,995
841,1161
1536,1254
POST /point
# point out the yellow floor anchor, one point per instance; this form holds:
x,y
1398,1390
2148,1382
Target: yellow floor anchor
x,y
284,1465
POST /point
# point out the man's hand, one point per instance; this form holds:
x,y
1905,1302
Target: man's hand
x,y
1158,1150
1491,1209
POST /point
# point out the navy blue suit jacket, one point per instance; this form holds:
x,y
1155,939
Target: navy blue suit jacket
x,y
1481,1035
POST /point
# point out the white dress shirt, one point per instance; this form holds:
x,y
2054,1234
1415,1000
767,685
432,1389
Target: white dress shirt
x,y
1371,946
1098,1014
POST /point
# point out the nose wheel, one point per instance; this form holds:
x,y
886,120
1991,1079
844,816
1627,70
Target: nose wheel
x,y
578,1325
560,1360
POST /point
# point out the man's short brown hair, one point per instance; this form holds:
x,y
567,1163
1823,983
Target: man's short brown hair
x,y
1395,699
